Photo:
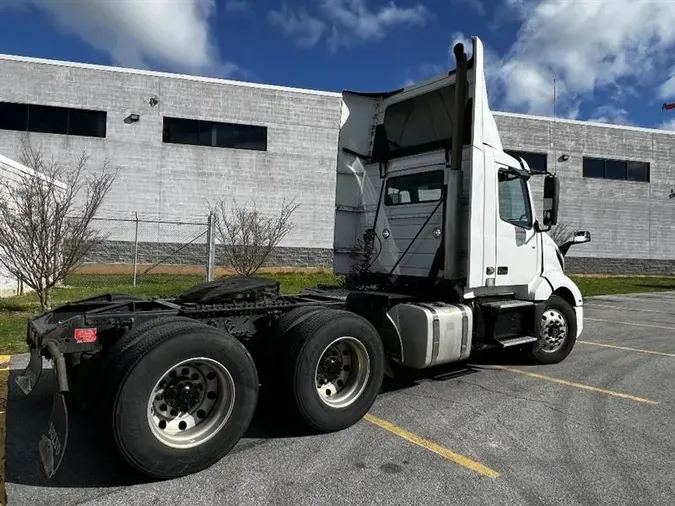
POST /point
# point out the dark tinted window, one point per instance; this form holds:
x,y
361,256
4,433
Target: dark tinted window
x,y
211,133
49,120
414,189
52,120
13,116
88,123
638,171
536,161
181,131
616,169
594,167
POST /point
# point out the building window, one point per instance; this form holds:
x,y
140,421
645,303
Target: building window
x,y
52,120
622,170
538,162
415,188
211,133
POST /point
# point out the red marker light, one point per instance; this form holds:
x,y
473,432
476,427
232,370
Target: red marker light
x,y
85,335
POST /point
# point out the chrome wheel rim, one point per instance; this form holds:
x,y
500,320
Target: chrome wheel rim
x,y
342,372
553,330
191,402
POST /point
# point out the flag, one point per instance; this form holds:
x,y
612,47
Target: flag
x,y
668,107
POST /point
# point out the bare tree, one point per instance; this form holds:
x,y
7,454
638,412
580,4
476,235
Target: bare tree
x,y
249,236
44,233
561,233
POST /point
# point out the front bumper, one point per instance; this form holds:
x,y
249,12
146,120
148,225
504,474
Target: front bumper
x,y
52,443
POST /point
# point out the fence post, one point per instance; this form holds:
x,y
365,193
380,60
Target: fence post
x,y
136,251
211,247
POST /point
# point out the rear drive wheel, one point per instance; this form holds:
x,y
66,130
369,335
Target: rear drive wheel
x,y
334,368
557,335
186,396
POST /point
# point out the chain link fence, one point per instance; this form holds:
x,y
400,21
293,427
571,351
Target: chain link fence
x,y
140,252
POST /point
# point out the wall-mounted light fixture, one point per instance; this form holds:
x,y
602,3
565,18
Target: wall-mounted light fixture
x,y
564,158
132,118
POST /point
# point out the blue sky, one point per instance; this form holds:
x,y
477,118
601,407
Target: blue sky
x,y
613,60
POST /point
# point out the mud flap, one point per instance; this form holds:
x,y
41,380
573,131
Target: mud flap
x,y
31,374
53,442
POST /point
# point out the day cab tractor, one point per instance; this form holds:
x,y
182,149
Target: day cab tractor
x,y
436,235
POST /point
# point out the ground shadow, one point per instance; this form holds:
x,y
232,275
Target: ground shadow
x,y
91,461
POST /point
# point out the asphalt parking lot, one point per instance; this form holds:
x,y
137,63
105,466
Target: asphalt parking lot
x,y
594,429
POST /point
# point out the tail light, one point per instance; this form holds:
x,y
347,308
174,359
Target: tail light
x,y
85,335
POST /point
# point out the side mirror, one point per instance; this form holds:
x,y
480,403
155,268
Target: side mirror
x,y
578,238
581,237
551,199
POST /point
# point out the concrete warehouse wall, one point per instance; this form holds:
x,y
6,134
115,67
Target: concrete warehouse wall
x,y
631,222
176,182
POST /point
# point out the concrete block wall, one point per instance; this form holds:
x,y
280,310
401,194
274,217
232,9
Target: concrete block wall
x,y
178,182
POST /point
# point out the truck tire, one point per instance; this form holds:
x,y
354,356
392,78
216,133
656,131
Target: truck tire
x,y
185,394
104,380
558,333
333,369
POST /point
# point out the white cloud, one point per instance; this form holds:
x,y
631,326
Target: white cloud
x,y
237,6
172,33
306,30
611,114
347,22
667,89
588,46
667,125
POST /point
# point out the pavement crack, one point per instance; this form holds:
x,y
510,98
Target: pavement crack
x,y
514,395
443,399
452,402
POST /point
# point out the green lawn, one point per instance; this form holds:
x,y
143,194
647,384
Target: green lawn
x,y
14,311
607,285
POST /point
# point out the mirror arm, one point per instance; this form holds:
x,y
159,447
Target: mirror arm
x,y
565,248
538,228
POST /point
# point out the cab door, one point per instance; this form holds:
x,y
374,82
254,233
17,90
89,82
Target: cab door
x,y
518,260
411,218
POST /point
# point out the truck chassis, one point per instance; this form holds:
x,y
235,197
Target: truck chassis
x,y
176,381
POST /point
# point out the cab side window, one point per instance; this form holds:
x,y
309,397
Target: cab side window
x,y
514,205
414,188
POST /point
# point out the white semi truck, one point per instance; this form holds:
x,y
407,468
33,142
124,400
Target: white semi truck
x,y
436,235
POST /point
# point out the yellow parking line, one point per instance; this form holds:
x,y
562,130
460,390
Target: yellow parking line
x,y
4,378
648,325
662,353
575,385
433,447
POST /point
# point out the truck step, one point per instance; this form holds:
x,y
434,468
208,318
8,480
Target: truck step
x,y
508,304
516,341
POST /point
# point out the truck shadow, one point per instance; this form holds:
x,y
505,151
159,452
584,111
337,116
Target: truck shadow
x,y
92,462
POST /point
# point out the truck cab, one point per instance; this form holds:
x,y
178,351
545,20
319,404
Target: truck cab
x,y
426,196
